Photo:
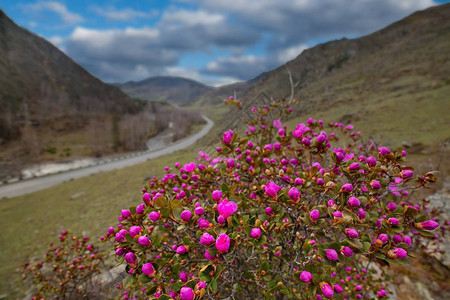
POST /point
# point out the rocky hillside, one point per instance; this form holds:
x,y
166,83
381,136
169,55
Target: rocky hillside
x,y
176,90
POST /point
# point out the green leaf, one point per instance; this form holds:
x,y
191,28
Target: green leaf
x,y
177,212
426,233
213,285
175,204
160,202
224,188
144,278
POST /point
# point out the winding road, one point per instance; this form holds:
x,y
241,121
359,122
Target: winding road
x,y
32,185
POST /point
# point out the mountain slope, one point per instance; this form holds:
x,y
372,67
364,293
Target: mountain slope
x,y
177,90
392,84
46,98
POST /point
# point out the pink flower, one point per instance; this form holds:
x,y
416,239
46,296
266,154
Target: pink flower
x,y
189,167
393,221
347,188
331,254
186,293
428,225
226,208
216,195
354,166
351,233
140,209
148,269
383,237
147,198
199,211
120,251
223,243
375,184
202,284
391,206
130,258
272,189
338,289
347,251
269,211
206,239
144,241
407,240
294,194
255,233
186,215
135,230
371,161
337,214
154,216
314,215
407,174
300,130
327,290
203,224
228,136
383,151
397,253
181,250
126,213
183,276
305,276
354,202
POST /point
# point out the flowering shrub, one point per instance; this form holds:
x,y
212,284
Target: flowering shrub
x,y
67,270
297,214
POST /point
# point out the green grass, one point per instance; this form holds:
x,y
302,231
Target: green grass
x,y
86,206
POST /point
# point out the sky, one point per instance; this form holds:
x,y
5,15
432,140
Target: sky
x,y
215,42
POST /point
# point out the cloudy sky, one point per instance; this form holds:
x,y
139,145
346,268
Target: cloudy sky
x,y
213,41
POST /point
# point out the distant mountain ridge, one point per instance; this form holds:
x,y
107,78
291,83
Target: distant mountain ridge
x,y
177,90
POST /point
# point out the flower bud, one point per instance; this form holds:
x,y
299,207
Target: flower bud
x,y
140,209
405,174
393,221
199,211
314,215
269,211
347,188
347,251
338,289
126,213
227,136
186,215
397,253
226,208
148,269
255,233
181,250
135,230
353,167
351,233
186,293
206,239
130,258
331,254
305,276
428,225
120,251
294,194
183,276
327,290
144,241
154,216
216,195
354,202
375,184
371,161
223,243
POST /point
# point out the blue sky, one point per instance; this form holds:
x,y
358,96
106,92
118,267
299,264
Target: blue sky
x,y
213,41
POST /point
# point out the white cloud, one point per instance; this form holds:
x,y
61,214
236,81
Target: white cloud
x,y
127,14
57,41
66,16
290,53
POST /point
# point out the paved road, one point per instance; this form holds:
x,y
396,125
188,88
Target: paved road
x,y
32,185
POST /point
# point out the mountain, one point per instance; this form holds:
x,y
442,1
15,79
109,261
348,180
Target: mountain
x,y
176,90
44,94
393,85
216,95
